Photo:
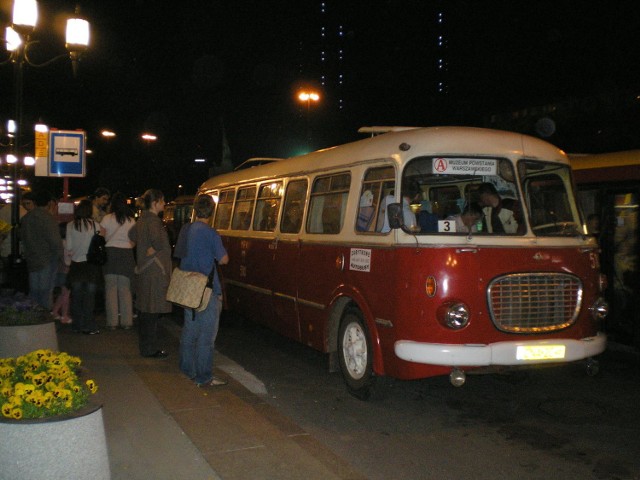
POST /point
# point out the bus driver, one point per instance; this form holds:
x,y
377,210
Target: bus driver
x,y
497,218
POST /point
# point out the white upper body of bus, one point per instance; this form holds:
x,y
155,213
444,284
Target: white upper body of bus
x,y
434,175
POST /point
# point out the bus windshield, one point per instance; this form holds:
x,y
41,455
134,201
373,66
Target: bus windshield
x,y
549,199
462,196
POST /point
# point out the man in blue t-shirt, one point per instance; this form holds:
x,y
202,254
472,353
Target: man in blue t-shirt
x,y
199,246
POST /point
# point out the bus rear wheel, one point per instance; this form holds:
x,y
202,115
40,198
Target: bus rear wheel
x,y
356,355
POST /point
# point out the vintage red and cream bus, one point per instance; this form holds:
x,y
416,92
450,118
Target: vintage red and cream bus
x,y
364,251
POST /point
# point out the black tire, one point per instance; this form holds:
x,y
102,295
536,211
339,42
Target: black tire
x,y
356,355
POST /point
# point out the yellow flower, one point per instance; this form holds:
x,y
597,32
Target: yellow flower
x,y
40,384
39,379
93,388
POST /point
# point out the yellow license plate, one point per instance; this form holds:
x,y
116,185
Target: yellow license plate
x,y
540,352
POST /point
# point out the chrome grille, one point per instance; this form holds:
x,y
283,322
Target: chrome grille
x,y
534,302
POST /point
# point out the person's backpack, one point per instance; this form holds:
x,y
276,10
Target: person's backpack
x,y
97,253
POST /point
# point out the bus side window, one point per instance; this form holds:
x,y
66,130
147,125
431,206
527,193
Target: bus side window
x,y
328,201
243,210
267,207
376,185
293,206
223,211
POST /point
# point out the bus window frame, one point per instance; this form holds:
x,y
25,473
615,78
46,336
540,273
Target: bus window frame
x,y
223,201
328,228
243,224
261,201
286,204
375,222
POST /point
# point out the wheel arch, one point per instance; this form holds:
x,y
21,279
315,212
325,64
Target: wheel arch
x,y
341,302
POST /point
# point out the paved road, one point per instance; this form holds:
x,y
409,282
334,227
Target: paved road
x,y
535,424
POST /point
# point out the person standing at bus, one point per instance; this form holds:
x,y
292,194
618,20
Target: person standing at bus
x,y
83,276
203,250
118,271
153,268
100,200
497,218
43,249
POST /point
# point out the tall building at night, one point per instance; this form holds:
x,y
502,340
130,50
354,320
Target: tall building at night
x,y
341,52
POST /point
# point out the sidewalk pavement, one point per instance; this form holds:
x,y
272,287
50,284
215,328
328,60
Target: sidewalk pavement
x,y
159,425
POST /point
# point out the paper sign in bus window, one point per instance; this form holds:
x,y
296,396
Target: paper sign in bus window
x,y
465,166
447,226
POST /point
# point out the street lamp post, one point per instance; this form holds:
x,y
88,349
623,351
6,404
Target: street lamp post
x,y
18,38
308,96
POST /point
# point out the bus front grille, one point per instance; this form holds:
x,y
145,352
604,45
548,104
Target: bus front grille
x,y
534,302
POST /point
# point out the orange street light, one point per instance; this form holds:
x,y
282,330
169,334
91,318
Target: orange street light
x,y
308,96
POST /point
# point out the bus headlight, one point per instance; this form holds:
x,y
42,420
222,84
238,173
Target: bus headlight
x,y
599,309
453,315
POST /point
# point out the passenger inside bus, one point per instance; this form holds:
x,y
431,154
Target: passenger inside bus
x,y
292,220
497,217
366,211
427,219
468,220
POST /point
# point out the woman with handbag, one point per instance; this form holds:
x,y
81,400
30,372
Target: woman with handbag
x,y
118,271
83,277
153,269
200,249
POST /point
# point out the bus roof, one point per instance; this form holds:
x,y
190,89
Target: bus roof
x,y
400,146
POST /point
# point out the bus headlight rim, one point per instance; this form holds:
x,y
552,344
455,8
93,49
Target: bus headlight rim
x,y
454,315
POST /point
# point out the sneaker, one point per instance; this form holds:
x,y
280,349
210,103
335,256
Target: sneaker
x,y
214,382
91,332
67,320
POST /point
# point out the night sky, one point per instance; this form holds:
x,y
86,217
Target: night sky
x,y
191,69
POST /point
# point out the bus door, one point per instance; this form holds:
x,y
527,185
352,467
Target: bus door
x,y
286,266
322,254
619,243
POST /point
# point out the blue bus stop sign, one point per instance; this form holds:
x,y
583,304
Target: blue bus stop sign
x,y
67,153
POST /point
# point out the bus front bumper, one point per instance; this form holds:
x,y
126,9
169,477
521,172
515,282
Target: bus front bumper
x,y
501,353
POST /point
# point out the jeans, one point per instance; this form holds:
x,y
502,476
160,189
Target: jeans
x,y
41,284
117,295
83,301
197,341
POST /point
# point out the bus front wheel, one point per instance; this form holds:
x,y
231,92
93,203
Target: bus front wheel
x,y
356,355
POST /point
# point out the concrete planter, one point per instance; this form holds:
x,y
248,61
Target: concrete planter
x,y
69,447
22,339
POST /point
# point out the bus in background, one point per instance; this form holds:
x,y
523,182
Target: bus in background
x,y
609,192
177,213
367,251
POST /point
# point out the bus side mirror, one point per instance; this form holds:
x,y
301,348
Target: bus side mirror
x,y
394,212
